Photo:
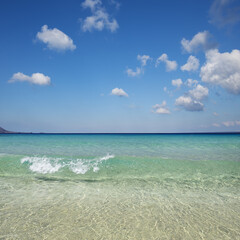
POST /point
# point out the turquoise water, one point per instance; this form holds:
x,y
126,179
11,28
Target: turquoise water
x,y
120,186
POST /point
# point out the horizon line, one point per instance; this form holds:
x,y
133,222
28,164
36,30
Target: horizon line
x,y
119,133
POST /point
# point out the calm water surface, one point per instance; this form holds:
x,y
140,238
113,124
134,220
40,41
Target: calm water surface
x,y
120,186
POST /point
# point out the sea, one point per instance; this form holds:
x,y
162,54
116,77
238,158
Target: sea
x,y
119,186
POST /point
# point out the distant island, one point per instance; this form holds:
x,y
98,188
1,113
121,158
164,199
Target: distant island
x,y
2,130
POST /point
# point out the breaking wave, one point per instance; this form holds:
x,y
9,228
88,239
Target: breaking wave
x,y
50,165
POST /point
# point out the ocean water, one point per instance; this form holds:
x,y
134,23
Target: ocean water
x,y
134,186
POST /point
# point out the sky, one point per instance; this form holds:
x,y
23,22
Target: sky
x,y
93,66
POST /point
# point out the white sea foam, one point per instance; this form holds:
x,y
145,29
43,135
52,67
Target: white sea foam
x,y
46,165
81,166
43,164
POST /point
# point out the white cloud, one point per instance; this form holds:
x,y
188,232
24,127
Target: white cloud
x,y
119,92
177,82
216,124
215,114
170,65
189,104
167,91
132,73
199,92
201,41
91,4
115,3
161,108
224,12
191,65
55,39
143,59
99,19
36,78
222,69
191,83
229,124
191,100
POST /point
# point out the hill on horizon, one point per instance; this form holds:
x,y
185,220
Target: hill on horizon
x,y
2,130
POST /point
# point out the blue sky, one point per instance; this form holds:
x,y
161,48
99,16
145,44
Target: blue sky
x,y
120,66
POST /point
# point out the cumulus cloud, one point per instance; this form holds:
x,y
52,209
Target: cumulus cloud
x,y
191,101
161,108
199,92
191,83
224,12
55,39
170,65
119,92
99,19
222,69
132,73
200,41
215,114
216,124
143,59
177,82
189,104
36,78
191,65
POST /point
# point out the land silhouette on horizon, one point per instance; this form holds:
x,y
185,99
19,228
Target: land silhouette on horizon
x,y
2,130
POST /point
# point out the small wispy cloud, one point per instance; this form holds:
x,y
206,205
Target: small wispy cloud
x,y
132,73
231,123
224,12
139,70
227,124
143,59
99,19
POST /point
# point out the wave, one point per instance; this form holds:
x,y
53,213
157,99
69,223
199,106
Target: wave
x,y
48,165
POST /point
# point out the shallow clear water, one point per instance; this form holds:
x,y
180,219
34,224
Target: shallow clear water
x,y
120,186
